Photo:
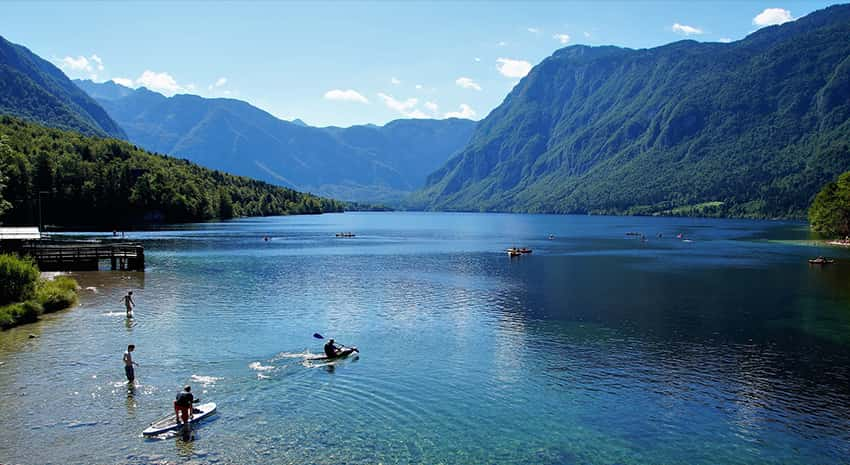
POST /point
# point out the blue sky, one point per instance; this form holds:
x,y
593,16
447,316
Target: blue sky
x,y
344,63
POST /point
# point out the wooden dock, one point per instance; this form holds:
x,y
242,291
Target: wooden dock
x,y
82,256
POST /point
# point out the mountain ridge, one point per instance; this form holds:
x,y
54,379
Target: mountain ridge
x,y
374,164
34,89
752,128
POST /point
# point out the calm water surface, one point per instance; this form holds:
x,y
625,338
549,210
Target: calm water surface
x,y
595,349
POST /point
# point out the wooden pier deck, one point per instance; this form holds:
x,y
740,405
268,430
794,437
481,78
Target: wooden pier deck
x,y
81,256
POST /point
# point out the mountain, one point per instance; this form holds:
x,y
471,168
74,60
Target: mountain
x,y
105,183
752,128
34,89
360,163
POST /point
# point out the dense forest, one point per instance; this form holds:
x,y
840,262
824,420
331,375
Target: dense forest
x,y
830,211
752,128
107,183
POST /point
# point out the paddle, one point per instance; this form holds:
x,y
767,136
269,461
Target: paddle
x,y
319,336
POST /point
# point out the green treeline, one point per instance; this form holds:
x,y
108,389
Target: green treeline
x,y
89,181
829,214
24,295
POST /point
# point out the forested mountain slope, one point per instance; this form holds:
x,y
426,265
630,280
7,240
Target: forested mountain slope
x,y
32,88
750,128
107,183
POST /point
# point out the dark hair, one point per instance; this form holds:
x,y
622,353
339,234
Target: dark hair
x,y
131,346
130,293
187,388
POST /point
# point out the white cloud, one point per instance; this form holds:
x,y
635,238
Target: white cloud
x,y
586,35
163,83
99,62
220,82
502,43
80,63
405,107
159,82
562,38
81,66
126,82
534,30
467,83
395,81
725,40
772,16
432,107
349,95
418,86
686,30
477,60
513,68
465,112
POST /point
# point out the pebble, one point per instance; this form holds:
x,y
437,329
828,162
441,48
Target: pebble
x,y
32,336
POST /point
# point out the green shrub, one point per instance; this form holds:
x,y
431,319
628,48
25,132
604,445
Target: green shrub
x,y
18,278
58,294
19,313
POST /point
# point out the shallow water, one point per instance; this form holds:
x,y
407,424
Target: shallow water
x,y
595,349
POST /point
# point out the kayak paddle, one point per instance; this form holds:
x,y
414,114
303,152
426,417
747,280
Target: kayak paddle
x,y
319,336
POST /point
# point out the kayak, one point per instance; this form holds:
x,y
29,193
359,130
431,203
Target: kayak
x,y
169,423
342,354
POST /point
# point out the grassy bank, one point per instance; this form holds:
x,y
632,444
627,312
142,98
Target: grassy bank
x,y
24,295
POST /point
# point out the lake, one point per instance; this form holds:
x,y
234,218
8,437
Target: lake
x,y
722,346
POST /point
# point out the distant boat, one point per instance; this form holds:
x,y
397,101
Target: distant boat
x,y
514,251
821,261
551,237
344,234
633,233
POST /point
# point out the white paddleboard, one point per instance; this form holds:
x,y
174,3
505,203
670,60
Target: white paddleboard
x,y
168,423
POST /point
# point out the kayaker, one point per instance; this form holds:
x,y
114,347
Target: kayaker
x,y
183,405
331,350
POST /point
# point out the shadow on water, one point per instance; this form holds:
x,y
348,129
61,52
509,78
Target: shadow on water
x,y
767,343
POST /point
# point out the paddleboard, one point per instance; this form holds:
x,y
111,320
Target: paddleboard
x,y
168,423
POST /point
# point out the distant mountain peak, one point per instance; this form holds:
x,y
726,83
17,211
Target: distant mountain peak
x,y
362,163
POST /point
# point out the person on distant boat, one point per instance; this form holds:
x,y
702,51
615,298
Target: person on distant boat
x,y
331,350
183,405
129,363
129,303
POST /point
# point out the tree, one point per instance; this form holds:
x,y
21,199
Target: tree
x,y
5,154
829,214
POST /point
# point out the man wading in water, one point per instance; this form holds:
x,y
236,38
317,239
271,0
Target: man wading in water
x,y
129,304
128,364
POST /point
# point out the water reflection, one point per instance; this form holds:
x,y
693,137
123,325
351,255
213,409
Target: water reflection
x,y
595,349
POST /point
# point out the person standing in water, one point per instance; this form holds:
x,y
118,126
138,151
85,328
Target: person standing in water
x,y
129,363
183,405
129,303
